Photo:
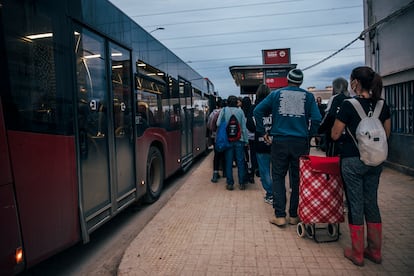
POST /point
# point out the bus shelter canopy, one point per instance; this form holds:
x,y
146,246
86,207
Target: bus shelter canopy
x,y
249,77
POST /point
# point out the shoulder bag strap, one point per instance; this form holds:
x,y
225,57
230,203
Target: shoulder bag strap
x,y
223,118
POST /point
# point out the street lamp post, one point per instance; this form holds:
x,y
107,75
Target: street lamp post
x,y
150,38
157,29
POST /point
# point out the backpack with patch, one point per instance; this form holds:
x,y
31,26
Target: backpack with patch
x,y
371,139
233,129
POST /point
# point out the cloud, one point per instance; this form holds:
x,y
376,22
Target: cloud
x,y
343,70
323,77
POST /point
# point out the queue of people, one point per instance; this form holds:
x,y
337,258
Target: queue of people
x,y
276,131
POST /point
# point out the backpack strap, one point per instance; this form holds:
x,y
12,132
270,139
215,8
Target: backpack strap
x,y
361,114
352,136
358,108
378,108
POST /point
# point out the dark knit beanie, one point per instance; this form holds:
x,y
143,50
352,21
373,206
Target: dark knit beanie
x,y
295,76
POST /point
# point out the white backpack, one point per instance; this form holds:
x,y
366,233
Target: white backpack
x,y
371,139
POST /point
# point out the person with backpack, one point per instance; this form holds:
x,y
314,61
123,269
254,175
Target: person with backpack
x,y
218,158
361,171
235,121
295,118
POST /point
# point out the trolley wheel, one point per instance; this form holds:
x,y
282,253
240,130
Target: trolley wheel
x,y
310,230
332,229
155,175
300,229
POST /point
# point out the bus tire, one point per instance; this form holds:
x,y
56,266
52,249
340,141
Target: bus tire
x,y
155,175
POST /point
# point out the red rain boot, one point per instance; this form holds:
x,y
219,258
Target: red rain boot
x,y
356,253
374,238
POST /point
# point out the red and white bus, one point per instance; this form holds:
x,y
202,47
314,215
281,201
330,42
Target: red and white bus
x,y
95,113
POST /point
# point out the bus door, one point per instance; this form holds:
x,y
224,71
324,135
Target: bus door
x,y
104,129
186,122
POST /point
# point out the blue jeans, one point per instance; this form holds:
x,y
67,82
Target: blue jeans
x,y
263,161
237,150
285,156
218,160
361,190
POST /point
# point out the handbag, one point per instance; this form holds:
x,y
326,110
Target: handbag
x,y
222,141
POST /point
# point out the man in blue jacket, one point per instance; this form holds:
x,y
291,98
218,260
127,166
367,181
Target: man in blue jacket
x,y
296,117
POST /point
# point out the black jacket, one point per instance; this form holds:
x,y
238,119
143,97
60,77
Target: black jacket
x,y
332,147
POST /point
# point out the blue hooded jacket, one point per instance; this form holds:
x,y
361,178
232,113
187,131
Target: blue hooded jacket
x,y
294,112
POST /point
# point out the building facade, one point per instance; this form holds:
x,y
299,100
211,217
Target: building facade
x,y
389,44
325,94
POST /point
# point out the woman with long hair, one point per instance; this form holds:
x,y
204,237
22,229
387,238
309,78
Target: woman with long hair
x,y
360,180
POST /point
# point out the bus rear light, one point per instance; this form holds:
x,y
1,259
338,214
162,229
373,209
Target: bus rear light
x,y
19,255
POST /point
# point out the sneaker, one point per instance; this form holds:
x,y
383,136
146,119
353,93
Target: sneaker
x,y
215,177
242,186
268,200
278,221
293,220
229,187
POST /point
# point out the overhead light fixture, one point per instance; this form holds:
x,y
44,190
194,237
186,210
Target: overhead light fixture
x,y
92,56
39,36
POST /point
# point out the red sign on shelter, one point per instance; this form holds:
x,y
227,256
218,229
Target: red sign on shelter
x,y
276,82
276,56
276,78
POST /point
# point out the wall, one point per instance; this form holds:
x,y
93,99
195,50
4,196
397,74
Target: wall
x,y
389,51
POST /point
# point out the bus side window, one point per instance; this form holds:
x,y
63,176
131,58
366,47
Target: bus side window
x,y
142,119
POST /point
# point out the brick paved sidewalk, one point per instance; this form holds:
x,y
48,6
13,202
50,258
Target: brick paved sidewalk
x,y
206,230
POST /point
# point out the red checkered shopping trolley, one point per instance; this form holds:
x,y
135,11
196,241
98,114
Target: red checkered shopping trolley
x,y
320,198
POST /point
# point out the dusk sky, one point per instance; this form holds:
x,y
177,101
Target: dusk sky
x,y
214,35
